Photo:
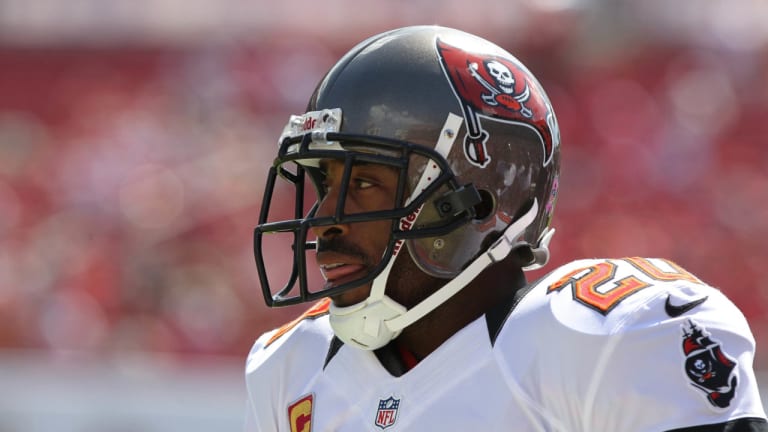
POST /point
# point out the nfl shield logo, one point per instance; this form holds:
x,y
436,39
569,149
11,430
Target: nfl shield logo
x,y
387,413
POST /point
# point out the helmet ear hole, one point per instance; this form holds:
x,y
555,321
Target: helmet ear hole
x,y
486,205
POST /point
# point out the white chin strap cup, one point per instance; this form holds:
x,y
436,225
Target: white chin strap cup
x,y
375,321
363,324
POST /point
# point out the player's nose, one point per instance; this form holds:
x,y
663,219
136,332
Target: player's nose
x,y
327,208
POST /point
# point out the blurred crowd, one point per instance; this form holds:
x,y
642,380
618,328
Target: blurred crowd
x,y
131,176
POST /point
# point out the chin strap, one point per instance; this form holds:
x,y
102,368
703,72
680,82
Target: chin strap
x,y
377,320
363,324
499,250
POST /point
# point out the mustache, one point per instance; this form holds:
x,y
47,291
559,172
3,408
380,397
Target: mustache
x,y
342,247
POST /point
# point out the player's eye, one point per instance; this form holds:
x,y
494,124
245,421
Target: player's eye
x,y
361,183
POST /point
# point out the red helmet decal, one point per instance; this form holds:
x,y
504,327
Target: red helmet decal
x,y
499,88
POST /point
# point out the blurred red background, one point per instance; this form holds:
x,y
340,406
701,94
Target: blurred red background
x,y
132,159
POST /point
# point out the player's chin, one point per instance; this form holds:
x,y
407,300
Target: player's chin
x,y
351,296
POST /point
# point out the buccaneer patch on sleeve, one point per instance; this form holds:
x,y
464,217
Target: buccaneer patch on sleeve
x,y
707,366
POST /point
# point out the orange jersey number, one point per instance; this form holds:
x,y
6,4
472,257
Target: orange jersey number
x,y
596,287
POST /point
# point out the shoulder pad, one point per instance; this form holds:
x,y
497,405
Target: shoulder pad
x,y
307,333
318,309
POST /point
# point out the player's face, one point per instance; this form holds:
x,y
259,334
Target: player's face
x,y
346,252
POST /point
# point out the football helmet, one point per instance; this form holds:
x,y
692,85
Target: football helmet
x,y
477,146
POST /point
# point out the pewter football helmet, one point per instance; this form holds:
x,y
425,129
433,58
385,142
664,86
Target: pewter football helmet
x,y
477,145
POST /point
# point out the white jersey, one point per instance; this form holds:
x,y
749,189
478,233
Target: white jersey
x,y
615,345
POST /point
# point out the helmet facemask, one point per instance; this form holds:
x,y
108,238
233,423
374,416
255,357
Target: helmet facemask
x,y
298,164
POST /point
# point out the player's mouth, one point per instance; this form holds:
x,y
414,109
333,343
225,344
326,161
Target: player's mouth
x,y
340,273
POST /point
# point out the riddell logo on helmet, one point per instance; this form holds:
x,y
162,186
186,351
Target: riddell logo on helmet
x,y
309,123
499,89
406,224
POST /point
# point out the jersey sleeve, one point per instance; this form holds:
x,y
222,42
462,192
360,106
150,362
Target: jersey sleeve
x,y
259,406
251,423
691,370
640,345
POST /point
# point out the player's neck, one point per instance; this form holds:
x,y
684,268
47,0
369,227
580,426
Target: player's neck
x,y
488,290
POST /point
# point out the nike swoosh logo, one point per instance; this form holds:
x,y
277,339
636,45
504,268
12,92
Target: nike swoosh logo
x,y
675,311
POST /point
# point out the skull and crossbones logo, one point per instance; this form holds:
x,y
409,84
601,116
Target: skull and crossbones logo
x,y
502,90
501,74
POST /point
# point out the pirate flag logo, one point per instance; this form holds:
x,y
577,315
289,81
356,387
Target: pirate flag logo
x,y
707,366
500,89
